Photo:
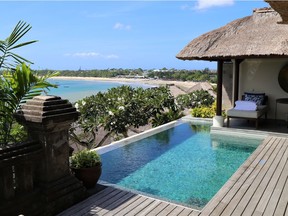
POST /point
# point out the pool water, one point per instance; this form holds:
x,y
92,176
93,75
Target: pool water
x,y
182,164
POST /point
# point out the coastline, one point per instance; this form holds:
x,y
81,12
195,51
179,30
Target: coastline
x,y
182,85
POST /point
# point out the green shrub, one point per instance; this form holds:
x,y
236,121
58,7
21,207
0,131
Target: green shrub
x,y
198,98
201,98
204,111
85,159
183,101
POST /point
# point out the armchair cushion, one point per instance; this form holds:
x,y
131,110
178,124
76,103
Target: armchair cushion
x,y
258,98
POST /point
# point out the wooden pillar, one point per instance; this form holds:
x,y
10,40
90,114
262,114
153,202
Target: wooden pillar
x,y
236,80
219,87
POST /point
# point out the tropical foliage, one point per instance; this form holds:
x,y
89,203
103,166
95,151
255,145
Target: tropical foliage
x,y
85,159
17,87
198,98
121,109
204,111
17,84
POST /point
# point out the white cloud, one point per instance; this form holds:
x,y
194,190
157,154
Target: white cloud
x,y
121,26
204,4
92,55
112,56
86,54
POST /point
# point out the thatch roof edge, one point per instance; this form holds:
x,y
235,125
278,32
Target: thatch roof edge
x,y
256,36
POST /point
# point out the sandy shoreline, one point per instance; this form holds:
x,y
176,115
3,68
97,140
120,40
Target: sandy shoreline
x,y
185,85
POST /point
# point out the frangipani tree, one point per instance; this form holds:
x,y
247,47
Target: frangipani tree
x,y
121,109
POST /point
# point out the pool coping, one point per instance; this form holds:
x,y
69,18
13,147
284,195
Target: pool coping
x,y
254,134
147,133
222,131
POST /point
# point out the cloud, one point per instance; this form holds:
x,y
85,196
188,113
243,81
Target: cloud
x,y
92,55
120,26
204,4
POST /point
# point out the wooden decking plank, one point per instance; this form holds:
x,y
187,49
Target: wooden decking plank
x,y
149,208
283,201
105,205
266,183
97,201
220,201
132,205
117,203
123,205
271,206
247,190
186,212
195,213
167,210
274,181
176,211
87,202
139,208
158,209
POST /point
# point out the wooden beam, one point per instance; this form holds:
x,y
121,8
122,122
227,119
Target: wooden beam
x,y
219,87
236,80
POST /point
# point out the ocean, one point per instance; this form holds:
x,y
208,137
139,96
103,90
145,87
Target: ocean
x,y
76,89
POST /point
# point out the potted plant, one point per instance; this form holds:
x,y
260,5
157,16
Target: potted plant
x,y
87,167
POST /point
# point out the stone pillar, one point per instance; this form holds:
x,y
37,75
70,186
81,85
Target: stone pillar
x,y
48,119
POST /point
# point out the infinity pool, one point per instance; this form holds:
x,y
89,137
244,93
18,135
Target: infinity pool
x,y
183,164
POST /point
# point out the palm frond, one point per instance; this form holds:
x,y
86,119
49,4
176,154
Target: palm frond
x,y
22,44
11,43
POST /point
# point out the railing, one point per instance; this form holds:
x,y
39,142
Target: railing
x,y
18,168
35,177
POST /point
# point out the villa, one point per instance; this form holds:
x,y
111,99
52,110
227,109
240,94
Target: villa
x,y
252,57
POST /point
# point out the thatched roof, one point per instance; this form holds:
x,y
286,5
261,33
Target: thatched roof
x,y
255,36
202,85
281,7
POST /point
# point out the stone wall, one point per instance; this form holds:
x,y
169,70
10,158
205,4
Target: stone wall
x,y
35,176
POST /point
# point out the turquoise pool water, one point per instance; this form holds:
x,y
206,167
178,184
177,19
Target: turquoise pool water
x,y
183,164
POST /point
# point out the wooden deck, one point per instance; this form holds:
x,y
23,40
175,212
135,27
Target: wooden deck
x,y
259,187
112,201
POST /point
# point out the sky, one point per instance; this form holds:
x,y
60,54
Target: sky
x,y
86,35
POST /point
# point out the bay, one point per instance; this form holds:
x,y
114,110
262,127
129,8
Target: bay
x,y
76,89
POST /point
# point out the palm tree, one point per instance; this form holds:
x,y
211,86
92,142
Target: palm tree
x,y
18,83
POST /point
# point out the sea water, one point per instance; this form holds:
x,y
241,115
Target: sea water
x,y
76,89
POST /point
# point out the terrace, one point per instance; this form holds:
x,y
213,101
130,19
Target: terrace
x,y
258,187
36,177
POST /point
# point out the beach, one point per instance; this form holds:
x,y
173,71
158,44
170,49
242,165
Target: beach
x,y
176,87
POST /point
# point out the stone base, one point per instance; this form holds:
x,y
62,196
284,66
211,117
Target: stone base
x,y
218,121
62,194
